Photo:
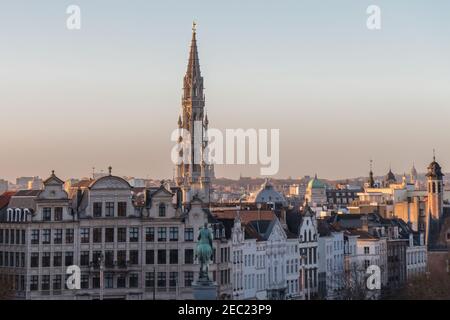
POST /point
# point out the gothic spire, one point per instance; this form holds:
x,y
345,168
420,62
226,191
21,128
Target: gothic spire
x,y
193,81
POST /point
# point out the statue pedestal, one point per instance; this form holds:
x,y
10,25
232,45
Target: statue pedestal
x,y
204,290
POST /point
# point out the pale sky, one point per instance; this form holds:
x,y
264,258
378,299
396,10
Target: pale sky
x,y
110,93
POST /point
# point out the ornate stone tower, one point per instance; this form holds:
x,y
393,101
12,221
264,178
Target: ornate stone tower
x,y
435,186
194,173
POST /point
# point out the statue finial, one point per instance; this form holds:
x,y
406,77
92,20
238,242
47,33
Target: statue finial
x,y
194,26
110,170
434,154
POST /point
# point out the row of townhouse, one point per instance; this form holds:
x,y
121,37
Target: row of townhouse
x,y
273,256
351,243
129,244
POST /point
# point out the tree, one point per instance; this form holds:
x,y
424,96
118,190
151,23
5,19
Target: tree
x,y
6,287
430,286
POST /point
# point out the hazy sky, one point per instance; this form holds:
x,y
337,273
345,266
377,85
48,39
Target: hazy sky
x,y
110,93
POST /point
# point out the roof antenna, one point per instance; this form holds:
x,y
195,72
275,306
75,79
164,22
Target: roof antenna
x,y
434,154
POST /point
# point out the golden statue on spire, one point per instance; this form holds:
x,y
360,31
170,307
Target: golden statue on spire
x,y
194,26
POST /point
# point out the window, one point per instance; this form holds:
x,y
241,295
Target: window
x,y
173,279
1,235
189,234
17,236
69,236
97,209
162,283
149,256
121,258
57,280
34,280
84,234
109,280
57,239
46,236
162,234
84,258
122,234
188,278
34,261
58,214
45,283
366,250
96,256
22,259
134,257
188,256
68,261
161,256
96,281
46,259
149,234
84,281
97,235
57,259
173,256
133,280
121,281
173,234
109,209
46,214
34,236
122,209
134,234
149,279
109,258
162,210
109,235
366,263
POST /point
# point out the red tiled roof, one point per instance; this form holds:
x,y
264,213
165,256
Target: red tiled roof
x,y
5,197
246,215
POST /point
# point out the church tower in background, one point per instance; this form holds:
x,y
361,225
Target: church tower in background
x,y
193,174
435,186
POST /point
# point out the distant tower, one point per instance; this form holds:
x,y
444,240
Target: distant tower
x,y
390,178
193,175
413,175
371,182
435,187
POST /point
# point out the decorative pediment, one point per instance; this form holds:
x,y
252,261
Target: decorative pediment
x,y
110,182
162,192
53,180
277,233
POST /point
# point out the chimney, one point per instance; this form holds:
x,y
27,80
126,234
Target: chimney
x,y
365,223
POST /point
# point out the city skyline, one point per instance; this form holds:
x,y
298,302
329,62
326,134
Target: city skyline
x,y
339,93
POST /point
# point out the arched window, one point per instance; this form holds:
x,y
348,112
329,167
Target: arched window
x,y
162,210
434,187
309,234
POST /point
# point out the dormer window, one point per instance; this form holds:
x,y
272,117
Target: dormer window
x,y
162,210
46,214
58,213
